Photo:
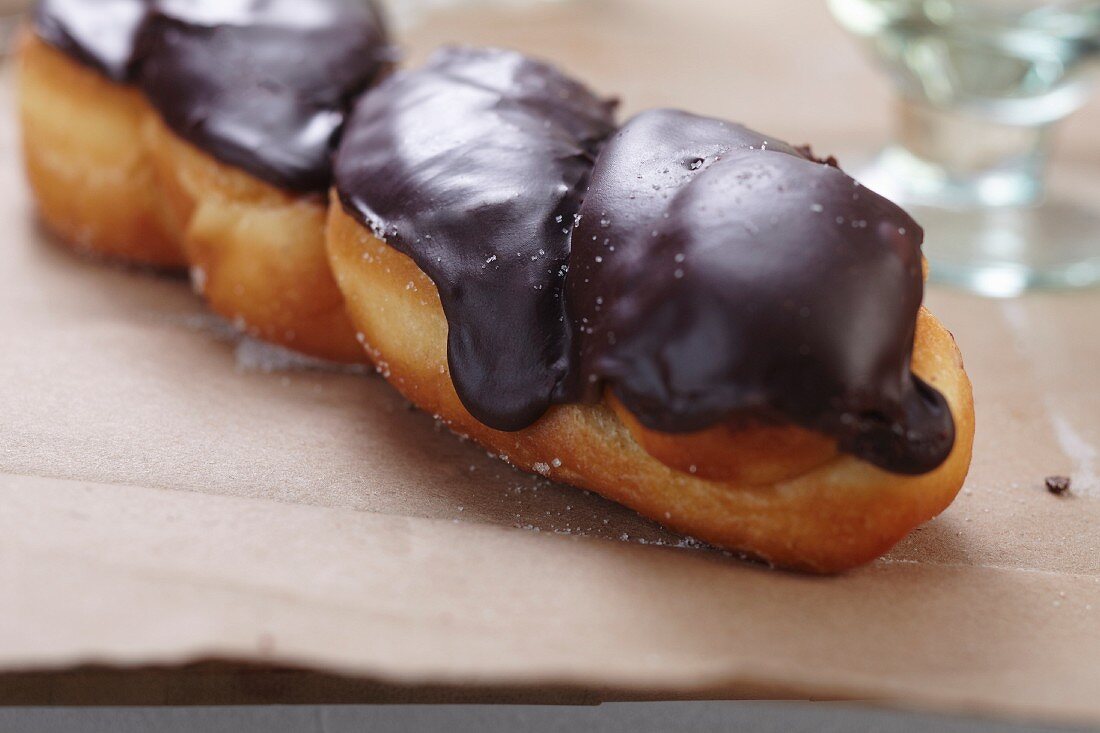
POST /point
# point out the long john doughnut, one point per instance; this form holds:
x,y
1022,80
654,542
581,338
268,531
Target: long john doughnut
x,y
788,495
777,480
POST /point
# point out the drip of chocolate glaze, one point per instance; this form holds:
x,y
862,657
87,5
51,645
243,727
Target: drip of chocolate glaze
x,y
97,33
474,166
718,274
262,85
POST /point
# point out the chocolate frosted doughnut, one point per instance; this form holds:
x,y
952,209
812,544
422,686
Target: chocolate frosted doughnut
x,y
705,324
474,166
717,273
550,358
203,138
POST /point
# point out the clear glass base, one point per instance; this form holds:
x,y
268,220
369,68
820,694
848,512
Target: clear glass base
x,y
1002,253
905,177
983,84
1003,250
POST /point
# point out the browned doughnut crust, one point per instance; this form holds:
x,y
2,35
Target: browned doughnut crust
x,y
831,516
111,179
257,253
93,183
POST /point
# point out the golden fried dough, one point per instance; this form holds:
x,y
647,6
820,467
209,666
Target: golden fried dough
x,y
257,253
91,177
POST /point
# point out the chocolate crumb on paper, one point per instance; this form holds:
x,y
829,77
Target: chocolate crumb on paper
x,y
1058,485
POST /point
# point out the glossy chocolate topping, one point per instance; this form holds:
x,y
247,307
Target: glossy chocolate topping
x,y
718,274
263,85
474,166
98,33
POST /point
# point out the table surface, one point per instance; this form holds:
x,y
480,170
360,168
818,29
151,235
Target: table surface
x,y
1003,591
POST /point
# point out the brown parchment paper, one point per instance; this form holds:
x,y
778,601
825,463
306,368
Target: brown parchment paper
x,y
169,494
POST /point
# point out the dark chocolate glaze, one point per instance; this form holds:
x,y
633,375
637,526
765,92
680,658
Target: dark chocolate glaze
x,y
474,166
718,274
97,33
263,85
